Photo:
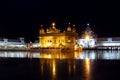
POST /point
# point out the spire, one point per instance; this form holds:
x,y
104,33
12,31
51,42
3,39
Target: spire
x,y
73,25
68,28
88,24
68,23
42,31
74,28
88,27
53,25
41,26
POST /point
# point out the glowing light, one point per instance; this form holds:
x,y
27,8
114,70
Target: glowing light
x,y
69,41
49,56
53,24
76,47
49,44
87,68
54,69
88,24
74,66
76,54
87,65
69,67
69,23
110,44
41,64
87,37
74,25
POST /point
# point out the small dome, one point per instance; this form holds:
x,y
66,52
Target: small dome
x,y
42,31
69,29
74,28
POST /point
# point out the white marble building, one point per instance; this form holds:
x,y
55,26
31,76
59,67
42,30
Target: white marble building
x,y
12,43
87,39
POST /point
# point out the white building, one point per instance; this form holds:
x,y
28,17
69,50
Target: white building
x,y
88,38
12,43
108,43
36,44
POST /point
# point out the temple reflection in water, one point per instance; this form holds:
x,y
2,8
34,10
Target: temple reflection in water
x,y
86,54
61,66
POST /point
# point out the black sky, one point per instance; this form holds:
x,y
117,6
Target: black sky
x,y
22,18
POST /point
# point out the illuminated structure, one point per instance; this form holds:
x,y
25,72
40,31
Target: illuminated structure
x,y
54,38
12,43
35,44
108,43
88,38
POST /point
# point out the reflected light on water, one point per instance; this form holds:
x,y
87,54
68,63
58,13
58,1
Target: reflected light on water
x,y
69,67
48,66
91,54
60,66
74,66
87,69
41,65
77,54
53,69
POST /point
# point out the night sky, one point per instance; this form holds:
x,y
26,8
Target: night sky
x,y
22,18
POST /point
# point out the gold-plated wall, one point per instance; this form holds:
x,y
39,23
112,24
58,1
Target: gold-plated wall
x,y
53,38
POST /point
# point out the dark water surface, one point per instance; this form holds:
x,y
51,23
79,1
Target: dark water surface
x,y
86,65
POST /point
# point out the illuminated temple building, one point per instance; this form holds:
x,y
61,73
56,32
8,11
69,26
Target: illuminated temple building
x,y
88,39
54,38
12,43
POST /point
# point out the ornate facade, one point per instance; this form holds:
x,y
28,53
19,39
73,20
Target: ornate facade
x,y
88,38
54,38
12,43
